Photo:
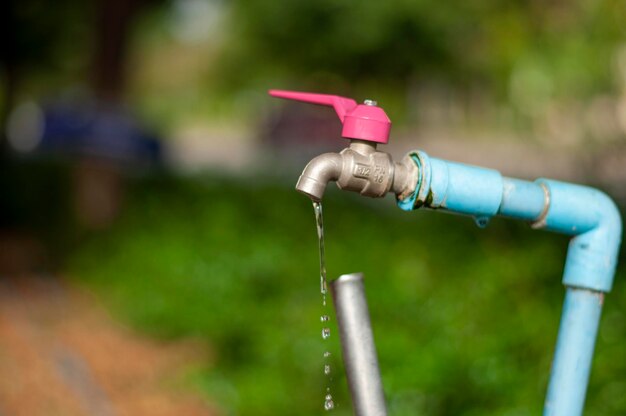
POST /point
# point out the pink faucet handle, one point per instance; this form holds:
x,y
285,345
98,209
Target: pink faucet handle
x,y
341,104
360,121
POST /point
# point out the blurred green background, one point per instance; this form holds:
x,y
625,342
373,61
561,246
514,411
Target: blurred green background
x,y
209,240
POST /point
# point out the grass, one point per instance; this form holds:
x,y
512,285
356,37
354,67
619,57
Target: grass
x,y
465,319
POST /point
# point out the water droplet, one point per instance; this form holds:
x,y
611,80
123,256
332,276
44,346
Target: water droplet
x,y
327,369
482,222
328,402
327,354
325,318
325,333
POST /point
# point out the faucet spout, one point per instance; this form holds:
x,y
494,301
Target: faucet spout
x,y
316,175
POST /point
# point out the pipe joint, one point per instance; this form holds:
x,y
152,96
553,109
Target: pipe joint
x,y
594,221
455,187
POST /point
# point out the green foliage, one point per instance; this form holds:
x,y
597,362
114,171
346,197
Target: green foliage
x,y
46,44
397,43
465,319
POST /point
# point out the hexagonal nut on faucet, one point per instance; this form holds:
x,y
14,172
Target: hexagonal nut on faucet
x,y
366,170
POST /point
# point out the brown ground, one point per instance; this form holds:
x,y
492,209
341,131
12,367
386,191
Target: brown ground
x,y
61,354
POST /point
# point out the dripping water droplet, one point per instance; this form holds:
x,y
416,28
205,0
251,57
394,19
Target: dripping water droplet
x,y
325,318
325,333
327,369
328,402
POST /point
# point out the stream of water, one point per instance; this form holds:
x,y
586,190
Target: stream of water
x,y
329,404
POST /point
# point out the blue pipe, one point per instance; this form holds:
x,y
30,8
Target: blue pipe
x,y
589,216
594,222
522,199
472,190
574,352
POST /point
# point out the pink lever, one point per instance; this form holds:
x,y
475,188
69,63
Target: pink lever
x,y
360,121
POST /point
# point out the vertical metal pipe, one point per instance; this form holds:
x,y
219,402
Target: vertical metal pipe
x,y
357,345
574,352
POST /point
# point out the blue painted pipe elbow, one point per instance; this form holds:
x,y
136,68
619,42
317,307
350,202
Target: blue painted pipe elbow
x,y
588,215
594,220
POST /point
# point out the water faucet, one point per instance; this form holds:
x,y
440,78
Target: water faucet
x,y
588,216
360,167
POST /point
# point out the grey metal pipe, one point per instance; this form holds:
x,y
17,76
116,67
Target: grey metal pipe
x,y
357,345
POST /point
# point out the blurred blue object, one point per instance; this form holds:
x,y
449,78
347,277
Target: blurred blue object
x,y
80,129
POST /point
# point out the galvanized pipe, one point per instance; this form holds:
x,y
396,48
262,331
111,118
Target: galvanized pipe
x,y
357,345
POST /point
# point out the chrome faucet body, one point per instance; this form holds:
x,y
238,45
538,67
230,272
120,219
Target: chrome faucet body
x,y
358,168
